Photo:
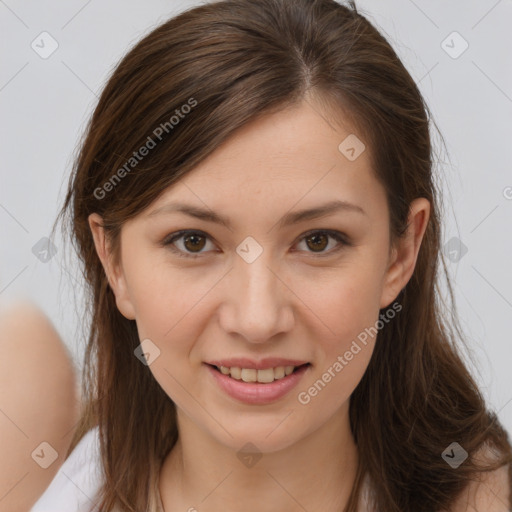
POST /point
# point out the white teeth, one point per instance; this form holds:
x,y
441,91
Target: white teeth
x,y
236,373
249,375
279,372
252,375
266,375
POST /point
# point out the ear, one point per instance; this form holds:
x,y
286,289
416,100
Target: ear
x,y
115,275
404,255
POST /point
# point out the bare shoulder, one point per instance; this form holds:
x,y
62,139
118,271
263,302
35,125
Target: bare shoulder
x,y
490,492
39,403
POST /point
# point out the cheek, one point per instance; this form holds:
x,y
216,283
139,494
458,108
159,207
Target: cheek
x,y
167,299
346,305
344,301
343,349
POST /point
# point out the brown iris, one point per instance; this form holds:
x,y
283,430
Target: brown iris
x,y
315,237
194,244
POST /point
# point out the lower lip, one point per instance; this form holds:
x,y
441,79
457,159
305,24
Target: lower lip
x,y
256,393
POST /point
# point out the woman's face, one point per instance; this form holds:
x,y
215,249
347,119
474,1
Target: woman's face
x,y
268,283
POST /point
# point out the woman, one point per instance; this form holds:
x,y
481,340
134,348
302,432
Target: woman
x,y
255,208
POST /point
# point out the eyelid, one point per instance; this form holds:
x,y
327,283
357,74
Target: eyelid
x,y
168,242
342,239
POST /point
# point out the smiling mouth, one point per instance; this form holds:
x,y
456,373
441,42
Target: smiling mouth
x,y
265,376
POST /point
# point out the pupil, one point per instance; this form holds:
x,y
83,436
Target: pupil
x,y
194,244
315,237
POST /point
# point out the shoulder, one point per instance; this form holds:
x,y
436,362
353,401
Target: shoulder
x,y
489,492
78,480
39,396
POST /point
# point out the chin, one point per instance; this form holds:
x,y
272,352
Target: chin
x,y
264,436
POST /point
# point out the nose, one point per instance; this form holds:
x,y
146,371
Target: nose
x,y
257,305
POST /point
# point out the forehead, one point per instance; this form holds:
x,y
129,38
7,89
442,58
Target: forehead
x,y
295,158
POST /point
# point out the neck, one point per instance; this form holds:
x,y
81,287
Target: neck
x,y
201,473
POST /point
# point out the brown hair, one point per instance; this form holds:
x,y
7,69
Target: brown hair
x,y
232,61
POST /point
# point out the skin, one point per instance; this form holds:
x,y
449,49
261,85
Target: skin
x,y
39,402
289,302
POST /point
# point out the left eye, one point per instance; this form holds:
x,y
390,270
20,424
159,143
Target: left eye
x,y
192,240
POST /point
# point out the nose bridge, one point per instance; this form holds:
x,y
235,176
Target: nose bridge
x,y
257,304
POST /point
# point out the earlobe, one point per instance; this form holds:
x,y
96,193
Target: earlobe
x,y
114,274
405,254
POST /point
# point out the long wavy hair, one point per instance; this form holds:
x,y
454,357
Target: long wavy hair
x,y
230,62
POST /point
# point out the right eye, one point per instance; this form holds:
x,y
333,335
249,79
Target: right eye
x,y
190,241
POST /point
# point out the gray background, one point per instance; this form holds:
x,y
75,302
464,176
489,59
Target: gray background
x,y
44,104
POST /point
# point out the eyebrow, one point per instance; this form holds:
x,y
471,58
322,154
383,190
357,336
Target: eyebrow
x,y
287,219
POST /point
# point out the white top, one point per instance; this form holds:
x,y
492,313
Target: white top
x,y
76,485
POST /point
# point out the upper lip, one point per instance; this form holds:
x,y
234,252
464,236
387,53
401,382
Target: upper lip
x,y
268,362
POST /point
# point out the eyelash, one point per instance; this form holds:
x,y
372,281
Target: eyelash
x,y
336,235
